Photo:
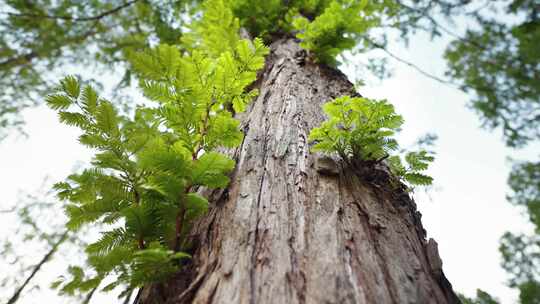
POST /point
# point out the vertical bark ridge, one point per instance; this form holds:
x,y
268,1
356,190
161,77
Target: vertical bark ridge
x,y
256,234
296,227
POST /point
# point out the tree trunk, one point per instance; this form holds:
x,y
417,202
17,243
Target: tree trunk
x,y
296,227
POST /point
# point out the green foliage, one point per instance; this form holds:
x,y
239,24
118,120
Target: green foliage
x,y
338,28
524,180
357,127
499,63
146,168
190,77
362,130
40,38
262,18
326,27
417,162
154,264
521,253
521,256
273,18
482,297
208,168
217,30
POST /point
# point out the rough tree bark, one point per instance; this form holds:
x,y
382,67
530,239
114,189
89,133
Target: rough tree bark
x,y
296,227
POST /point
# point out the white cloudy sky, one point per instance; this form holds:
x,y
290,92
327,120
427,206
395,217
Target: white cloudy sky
x,y
466,213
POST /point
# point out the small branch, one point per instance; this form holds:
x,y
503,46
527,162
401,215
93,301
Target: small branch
x,y
90,295
378,161
19,59
128,297
81,19
8,210
462,87
410,64
443,28
180,222
137,199
465,40
15,297
27,58
182,212
204,130
179,226
141,243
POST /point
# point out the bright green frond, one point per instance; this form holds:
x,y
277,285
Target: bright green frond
x,y
360,129
210,170
89,99
196,205
70,85
336,29
109,240
418,179
74,119
107,119
154,264
59,101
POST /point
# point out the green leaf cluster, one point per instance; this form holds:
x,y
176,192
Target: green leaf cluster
x,y
357,127
216,31
147,169
416,163
338,28
326,27
361,130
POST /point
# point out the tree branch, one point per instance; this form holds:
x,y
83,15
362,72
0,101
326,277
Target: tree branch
x,y
462,87
8,210
81,19
441,27
38,266
18,59
27,58
410,64
90,295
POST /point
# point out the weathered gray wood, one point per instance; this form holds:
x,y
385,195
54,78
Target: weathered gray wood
x,y
296,227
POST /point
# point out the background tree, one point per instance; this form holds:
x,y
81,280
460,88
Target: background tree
x,y
498,61
482,297
521,252
40,38
37,228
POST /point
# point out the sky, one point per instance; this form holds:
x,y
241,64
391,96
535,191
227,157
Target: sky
x,y
466,211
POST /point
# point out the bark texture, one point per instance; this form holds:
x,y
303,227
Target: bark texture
x,y
297,227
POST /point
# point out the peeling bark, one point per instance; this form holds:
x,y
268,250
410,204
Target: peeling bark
x,y
297,227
